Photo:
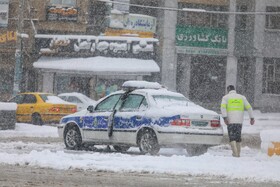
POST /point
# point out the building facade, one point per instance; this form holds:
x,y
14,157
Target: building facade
x,y
77,33
207,51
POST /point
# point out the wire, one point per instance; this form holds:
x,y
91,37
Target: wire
x,y
192,10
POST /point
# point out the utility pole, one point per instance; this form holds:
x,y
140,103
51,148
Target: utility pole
x,y
18,53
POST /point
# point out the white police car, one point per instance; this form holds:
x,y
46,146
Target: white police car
x,y
146,115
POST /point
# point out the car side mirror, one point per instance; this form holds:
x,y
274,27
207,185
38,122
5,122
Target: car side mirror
x,y
90,108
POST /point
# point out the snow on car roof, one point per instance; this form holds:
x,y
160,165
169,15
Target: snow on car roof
x,y
56,100
72,94
141,85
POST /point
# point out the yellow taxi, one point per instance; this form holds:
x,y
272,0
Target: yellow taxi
x,y
39,108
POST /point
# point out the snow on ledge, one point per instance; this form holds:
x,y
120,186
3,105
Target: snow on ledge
x,y
8,106
98,64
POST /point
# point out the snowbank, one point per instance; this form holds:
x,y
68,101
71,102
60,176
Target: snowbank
x,y
270,141
8,106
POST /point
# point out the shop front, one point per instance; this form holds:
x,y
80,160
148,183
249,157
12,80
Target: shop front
x,y
201,65
94,66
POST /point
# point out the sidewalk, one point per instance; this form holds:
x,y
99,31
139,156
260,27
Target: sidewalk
x,y
251,133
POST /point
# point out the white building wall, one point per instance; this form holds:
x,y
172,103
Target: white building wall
x,y
231,70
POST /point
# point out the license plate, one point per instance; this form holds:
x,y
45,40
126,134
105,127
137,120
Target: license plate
x,y
200,123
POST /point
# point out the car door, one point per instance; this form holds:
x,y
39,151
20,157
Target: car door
x,y
28,106
129,118
95,126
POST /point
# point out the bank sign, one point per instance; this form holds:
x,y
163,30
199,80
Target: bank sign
x,y
201,40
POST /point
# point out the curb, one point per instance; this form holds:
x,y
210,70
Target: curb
x,y
249,140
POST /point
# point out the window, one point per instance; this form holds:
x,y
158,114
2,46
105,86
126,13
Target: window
x,y
63,97
271,76
109,103
241,19
168,100
63,2
134,102
73,99
44,97
29,99
272,21
202,19
17,99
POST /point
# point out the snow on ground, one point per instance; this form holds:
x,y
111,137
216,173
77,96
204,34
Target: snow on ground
x,y
252,165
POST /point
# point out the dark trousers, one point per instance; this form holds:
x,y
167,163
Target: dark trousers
x,y
234,132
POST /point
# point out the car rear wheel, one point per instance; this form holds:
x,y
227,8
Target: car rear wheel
x,y
121,148
196,150
148,142
36,119
73,138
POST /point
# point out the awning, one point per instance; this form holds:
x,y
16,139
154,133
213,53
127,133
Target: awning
x,y
97,65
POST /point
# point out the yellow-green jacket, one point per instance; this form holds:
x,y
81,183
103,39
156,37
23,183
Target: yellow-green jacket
x,y
233,106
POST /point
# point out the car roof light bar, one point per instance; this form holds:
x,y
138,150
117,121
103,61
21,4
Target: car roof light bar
x,y
132,85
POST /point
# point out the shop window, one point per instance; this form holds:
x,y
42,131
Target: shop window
x,y
272,21
241,19
271,76
63,2
200,18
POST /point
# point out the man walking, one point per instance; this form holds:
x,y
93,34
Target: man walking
x,y
232,108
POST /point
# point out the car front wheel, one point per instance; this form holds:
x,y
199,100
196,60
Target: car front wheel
x,y
148,142
73,138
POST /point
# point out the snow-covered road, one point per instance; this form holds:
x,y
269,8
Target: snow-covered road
x,y
253,165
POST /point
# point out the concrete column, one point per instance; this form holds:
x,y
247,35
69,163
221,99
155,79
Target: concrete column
x,y
258,46
92,83
185,79
48,82
231,70
258,81
169,56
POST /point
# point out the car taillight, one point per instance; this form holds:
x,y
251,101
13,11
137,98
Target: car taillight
x,y
215,123
55,109
181,122
74,110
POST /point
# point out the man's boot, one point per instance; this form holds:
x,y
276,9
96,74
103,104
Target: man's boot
x,y
238,146
234,148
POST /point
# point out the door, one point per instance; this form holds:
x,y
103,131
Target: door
x,y
208,76
95,125
129,118
28,106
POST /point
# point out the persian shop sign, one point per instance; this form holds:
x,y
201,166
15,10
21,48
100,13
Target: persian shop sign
x,y
190,36
140,23
134,22
62,13
8,36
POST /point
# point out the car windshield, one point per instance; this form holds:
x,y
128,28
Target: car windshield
x,y
168,100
